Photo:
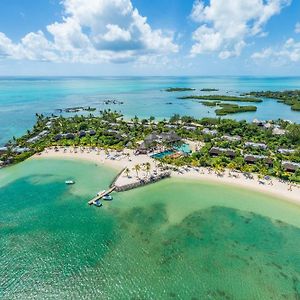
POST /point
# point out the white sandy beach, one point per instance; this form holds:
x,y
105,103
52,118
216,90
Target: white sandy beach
x,y
127,159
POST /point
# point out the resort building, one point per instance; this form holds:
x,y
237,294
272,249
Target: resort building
x,y
82,134
58,137
212,132
153,139
286,151
3,150
252,159
20,150
68,136
170,126
289,166
38,137
191,128
256,145
229,138
216,151
278,131
268,126
258,122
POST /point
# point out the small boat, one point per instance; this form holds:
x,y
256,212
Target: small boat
x,y
98,194
107,197
98,203
69,182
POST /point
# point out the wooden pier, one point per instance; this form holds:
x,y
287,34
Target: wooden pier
x,y
101,195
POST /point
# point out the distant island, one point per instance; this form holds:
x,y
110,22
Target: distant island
x,y
113,101
291,98
209,90
179,90
228,108
75,109
233,109
222,98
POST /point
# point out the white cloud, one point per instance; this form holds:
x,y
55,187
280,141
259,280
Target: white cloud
x,y
289,52
297,28
226,24
93,31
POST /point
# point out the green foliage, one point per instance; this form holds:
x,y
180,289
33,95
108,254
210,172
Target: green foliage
x,y
179,89
222,98
294,133
291,98
233,109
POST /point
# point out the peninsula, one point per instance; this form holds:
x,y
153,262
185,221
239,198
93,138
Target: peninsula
x,y
267,148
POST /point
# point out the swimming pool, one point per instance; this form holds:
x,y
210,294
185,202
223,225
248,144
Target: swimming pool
x,y
185,148
162,154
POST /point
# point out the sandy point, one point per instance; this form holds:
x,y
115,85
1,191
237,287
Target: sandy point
x,y
126,160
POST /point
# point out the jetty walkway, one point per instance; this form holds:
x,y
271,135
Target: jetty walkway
x,y
101,195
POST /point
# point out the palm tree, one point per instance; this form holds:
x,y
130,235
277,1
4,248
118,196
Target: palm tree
x,y
147,168
195,163
127,172
137,168
231,166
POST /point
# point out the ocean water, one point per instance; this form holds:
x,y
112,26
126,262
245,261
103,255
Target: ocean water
x,y
176,239
21,98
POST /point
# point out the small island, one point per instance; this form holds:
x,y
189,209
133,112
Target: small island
x,y
222,98
228,108
209,90
233,109
170,90
113,102
76,109
291,98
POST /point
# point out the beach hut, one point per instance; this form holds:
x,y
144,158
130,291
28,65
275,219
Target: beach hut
x,y
217,151
20,150
58,137
189,128
286,151
229,138
70,136
252,159
289,166
151,138
82,134
3,150
212,132
278,131
261,146
143,148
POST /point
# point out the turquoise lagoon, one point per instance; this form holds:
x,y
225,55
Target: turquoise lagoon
x,y
176,239
21,98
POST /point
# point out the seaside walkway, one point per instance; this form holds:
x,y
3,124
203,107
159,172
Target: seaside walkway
x,y
101,195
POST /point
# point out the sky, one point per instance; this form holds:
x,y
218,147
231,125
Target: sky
x,y
157,37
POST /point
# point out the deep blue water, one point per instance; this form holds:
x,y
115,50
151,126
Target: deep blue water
x,y
22,97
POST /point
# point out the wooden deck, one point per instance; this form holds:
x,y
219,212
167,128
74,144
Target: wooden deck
x,y
100,196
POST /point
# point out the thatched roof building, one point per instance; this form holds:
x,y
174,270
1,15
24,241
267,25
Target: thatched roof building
x,y
290,166
252,159
216,151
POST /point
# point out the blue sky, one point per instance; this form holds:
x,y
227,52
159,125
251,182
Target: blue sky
x,y
157,37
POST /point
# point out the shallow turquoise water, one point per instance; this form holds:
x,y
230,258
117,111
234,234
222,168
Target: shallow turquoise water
x,y
176,239
162,154
21,98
